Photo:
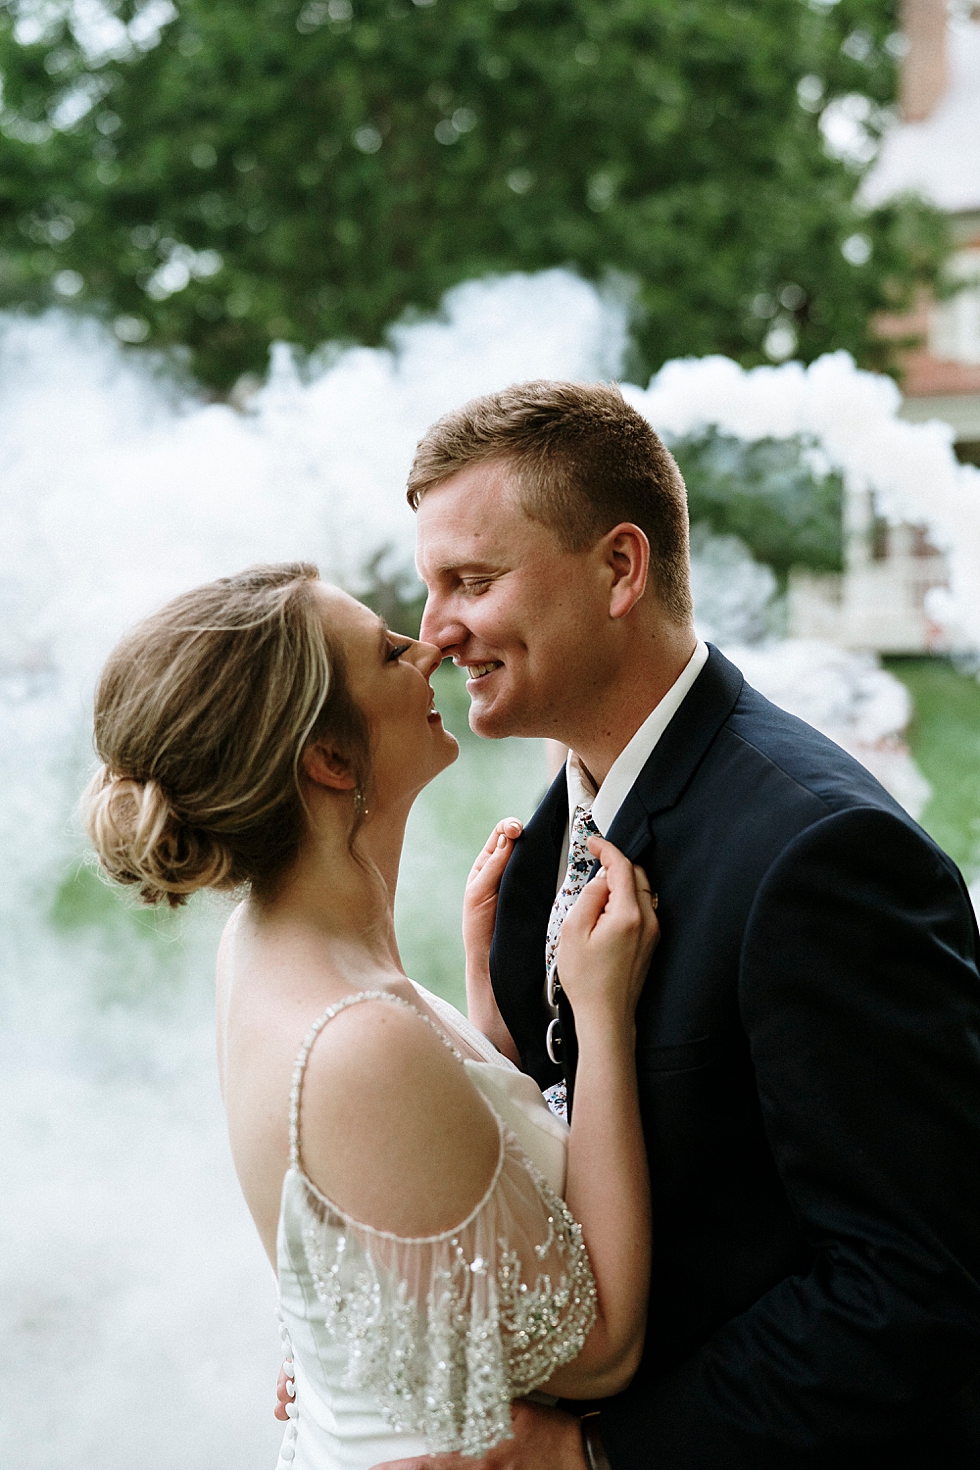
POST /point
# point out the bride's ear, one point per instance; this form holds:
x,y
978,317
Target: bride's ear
x,y
325,767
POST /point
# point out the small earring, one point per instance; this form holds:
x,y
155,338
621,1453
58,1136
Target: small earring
x,y
360,807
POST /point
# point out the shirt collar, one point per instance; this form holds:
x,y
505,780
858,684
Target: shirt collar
x,y
625,769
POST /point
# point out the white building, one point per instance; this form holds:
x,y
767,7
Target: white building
x,y
934,151
881,600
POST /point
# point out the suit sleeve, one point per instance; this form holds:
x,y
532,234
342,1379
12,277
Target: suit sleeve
x,y
860,998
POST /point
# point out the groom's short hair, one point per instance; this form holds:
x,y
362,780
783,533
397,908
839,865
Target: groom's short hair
x,y
584,461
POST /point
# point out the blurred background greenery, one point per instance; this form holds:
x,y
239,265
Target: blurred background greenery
x,y
213,176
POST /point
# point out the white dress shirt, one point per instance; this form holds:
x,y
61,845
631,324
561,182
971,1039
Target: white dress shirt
x,y
625,769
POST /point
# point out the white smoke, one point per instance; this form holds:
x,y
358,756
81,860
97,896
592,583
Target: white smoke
x,y
853,417
734,595
119,491
136,1319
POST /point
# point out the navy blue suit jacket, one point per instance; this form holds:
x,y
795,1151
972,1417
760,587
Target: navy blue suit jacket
x,y
808,1048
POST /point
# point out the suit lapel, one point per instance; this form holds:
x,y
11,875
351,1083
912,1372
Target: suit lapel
x,y
528,888
661,784
678,753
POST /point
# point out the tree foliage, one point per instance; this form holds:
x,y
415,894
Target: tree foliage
x,y
775,495
228,172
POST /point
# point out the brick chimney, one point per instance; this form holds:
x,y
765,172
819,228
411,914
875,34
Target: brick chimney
x,y
925,70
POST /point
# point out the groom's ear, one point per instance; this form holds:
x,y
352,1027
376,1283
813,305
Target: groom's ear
x,y
324,766
626,551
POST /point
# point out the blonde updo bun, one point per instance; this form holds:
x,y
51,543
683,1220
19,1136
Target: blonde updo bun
x,y
141,840
202,714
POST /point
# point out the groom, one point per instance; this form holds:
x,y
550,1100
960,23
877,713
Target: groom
x,y
809,1035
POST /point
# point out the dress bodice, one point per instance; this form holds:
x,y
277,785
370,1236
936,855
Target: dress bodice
x,y
402,1346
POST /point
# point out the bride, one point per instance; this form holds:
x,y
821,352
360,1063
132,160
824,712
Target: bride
x,y
443,1244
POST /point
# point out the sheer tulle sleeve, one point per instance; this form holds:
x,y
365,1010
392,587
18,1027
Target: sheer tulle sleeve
x,y
446,1330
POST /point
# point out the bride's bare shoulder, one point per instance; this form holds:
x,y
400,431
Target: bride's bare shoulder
x,y
391,1127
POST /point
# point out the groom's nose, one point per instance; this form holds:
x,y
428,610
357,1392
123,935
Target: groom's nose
x,y
438,626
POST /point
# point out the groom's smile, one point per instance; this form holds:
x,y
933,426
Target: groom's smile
x,y
480,671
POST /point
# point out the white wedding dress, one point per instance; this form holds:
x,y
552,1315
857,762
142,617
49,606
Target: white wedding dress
x,y
406,1346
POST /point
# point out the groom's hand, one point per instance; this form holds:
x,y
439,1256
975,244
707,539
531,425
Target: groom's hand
x,y
544,1439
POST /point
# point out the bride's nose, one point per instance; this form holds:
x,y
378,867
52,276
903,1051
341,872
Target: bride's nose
x,y
427,657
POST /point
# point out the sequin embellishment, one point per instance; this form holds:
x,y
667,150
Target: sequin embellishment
x,y
446,1330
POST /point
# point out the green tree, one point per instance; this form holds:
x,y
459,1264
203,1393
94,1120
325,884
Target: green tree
x,y
233,171
775,495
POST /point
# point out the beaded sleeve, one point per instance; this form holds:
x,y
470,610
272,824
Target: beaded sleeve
x,y
446,1330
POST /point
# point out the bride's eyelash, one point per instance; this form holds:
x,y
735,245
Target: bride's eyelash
x,y
396,653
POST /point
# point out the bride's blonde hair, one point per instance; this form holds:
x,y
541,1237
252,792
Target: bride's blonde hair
x,y
202,715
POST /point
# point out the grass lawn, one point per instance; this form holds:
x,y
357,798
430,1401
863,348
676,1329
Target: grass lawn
x,y
944,737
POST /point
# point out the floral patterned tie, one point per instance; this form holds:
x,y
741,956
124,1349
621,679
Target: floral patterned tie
x,y
580,863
